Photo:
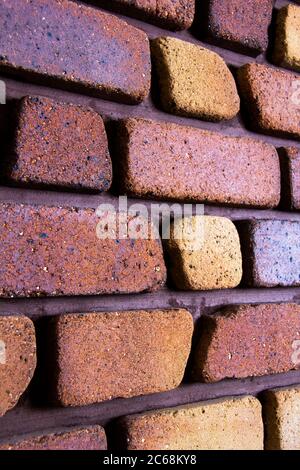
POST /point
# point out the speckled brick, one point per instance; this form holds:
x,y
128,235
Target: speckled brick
x,y
290,183
170,14
100,356
247,340
271,252
287,38
50,251
194,81
68,44
17,359
271,97
237,24
58,145
281,411
211,425
89,438
167,161
204,253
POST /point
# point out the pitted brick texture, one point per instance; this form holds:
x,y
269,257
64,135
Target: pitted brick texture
x,y
65,43
214,425
248,340
101,356
287,38
17,359
290,170
167,161
59,145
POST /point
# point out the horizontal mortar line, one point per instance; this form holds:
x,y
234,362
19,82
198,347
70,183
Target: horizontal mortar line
x,y
196,302
147,110
67,199
28,419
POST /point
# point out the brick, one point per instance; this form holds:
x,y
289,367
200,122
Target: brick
x,y
167,161
271,98
287,37
68,44
204,253
271,253
89,438
17,359
197,427
59,145
281,410
170,14
51,251
242,341
290,170
238,25
194,81
101,356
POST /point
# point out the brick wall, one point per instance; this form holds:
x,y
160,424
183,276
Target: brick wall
x,y
139,345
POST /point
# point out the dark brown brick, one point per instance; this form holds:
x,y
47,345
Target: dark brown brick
x,y
100,356
237,24
167,161
89,438
248,340
56,251
74,45
290,183
271,252
59,145
17,359
169,14
272,99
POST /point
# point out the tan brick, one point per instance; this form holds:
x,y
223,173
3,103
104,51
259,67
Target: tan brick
x,y
287,38
248,340
17,359
281,411
211,260
194,81
227,424
100,356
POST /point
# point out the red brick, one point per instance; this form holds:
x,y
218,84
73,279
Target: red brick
x,y
89,438
66,43
17,359
100,356
169,14
248,340
56,251
59,145
238,25
272,99
271,252
168,161
290,170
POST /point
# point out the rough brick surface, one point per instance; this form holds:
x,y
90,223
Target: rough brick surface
x,y
17,359
194,81
204,253
57,251
59,145
70,44
290,182
169,14
89,438
214,425
281,409
287,38
101,356
271,97
239,25
248,340
271,253
168,161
